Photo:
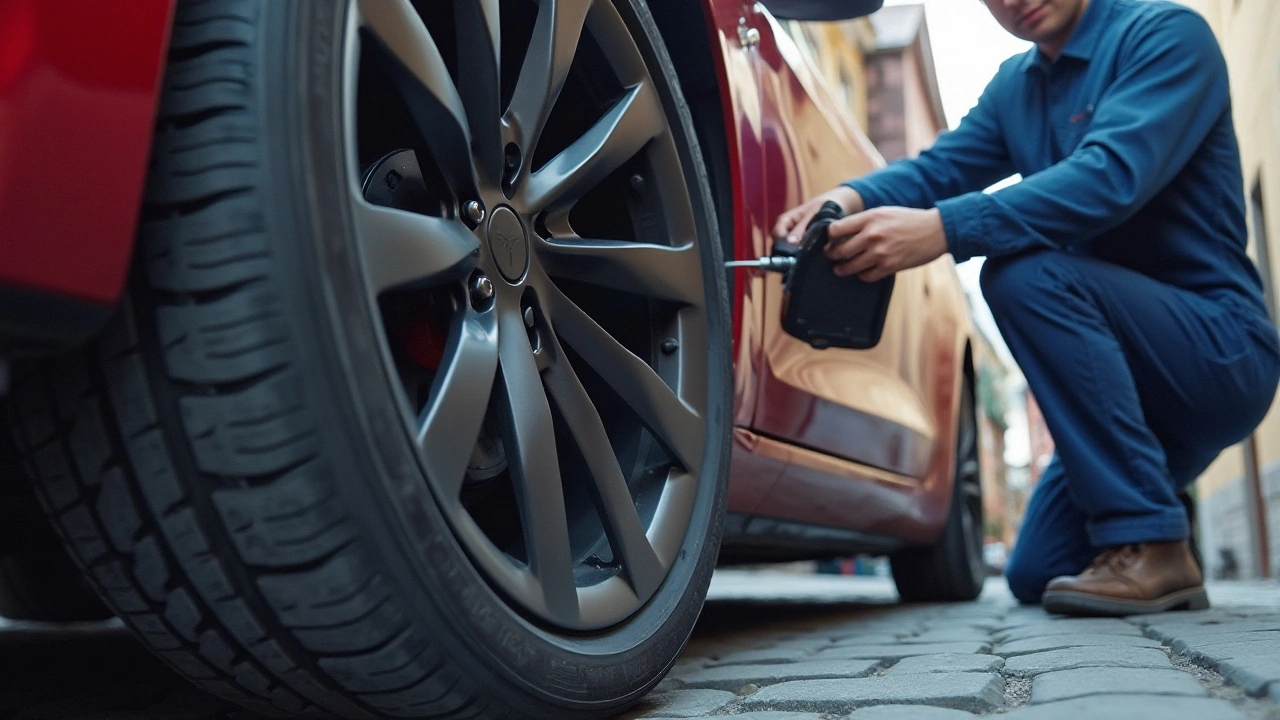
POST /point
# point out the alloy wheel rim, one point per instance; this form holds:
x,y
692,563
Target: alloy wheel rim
x,y
528,362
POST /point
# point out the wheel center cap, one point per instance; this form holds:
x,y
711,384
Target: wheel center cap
x,y
508,244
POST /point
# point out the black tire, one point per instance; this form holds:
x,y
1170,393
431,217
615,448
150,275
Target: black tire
x,y
234,460
953,569
38,580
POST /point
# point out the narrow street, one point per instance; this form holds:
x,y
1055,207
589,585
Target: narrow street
x,y
780,646
815,647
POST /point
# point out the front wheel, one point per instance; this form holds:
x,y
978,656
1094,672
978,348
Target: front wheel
x,y
953,568
419,404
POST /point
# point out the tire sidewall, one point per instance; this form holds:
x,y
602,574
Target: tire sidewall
x,y
373,466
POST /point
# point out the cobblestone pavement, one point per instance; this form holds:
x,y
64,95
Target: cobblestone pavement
x,y
776,646
772,646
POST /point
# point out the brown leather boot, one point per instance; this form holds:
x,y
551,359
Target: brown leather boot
x,y
1131,579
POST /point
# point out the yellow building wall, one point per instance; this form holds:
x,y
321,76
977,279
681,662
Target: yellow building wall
x,y
922,128
838,51
1249,32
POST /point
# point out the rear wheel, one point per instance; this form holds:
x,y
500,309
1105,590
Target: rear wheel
x,y
420,404
952,569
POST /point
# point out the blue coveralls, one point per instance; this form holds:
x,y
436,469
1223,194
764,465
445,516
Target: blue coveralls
x,y
1116,269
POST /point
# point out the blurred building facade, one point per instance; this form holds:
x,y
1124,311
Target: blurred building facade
x,y
999,504
838,51
1240,494
904,106
1041,441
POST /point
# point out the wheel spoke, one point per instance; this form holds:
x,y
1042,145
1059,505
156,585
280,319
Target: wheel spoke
x,y
675,424
626,534
546,65
479,46
438,112
450,425
657,271
614,139
535,471
402,248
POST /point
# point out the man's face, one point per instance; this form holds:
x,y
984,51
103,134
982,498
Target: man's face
x,y
1040,21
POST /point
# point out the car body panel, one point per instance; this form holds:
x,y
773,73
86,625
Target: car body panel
x,y
79,84
862,440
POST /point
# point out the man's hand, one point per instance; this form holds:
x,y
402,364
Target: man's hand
x,y
791,224
879,242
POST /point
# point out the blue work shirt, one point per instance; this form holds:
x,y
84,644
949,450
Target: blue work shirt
x,y
1126,147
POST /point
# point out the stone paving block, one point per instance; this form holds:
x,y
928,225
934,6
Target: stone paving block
x,y
1181,644
765,656
901,650
687,663
863,638
1130,707
963,691
681,704
1057,642
1033,616
986,620
1253,674
1185,618
1068,626
908,712
950,635
1215,655
776,715
1079,657
733,677
949,662
1082,682
1171,632
764,715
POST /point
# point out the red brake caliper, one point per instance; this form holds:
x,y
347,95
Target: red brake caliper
x,y
423,340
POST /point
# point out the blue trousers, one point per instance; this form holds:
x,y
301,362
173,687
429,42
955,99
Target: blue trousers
x,y
1141,383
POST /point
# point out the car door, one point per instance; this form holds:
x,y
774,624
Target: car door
x,y
867,406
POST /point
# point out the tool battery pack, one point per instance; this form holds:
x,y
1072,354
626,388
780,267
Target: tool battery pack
x,y
823,309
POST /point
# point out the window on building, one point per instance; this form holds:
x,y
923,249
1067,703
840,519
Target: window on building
x,y
1261,243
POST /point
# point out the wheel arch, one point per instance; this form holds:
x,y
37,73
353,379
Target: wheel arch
x,y
688,35
968,375
65,254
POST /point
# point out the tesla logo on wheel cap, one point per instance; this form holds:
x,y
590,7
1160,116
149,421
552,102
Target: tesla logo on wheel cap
x,y
508,244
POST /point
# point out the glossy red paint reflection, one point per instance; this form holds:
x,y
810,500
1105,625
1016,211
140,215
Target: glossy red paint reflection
x,y
78,90
860,440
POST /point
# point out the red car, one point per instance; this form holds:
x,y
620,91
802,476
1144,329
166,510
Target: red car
x,y
377,357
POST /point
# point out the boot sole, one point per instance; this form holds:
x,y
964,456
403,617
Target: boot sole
x,y
1077,603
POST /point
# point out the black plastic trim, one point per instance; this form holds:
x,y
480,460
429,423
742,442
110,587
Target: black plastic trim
x,y
821,9
34,322
753,538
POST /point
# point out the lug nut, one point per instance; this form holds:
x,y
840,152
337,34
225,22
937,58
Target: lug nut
x,y
481,290
669,346
474,212
528,317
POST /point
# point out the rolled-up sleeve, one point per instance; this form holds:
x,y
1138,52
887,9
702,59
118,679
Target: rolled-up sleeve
x,y
971,157
1170,91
